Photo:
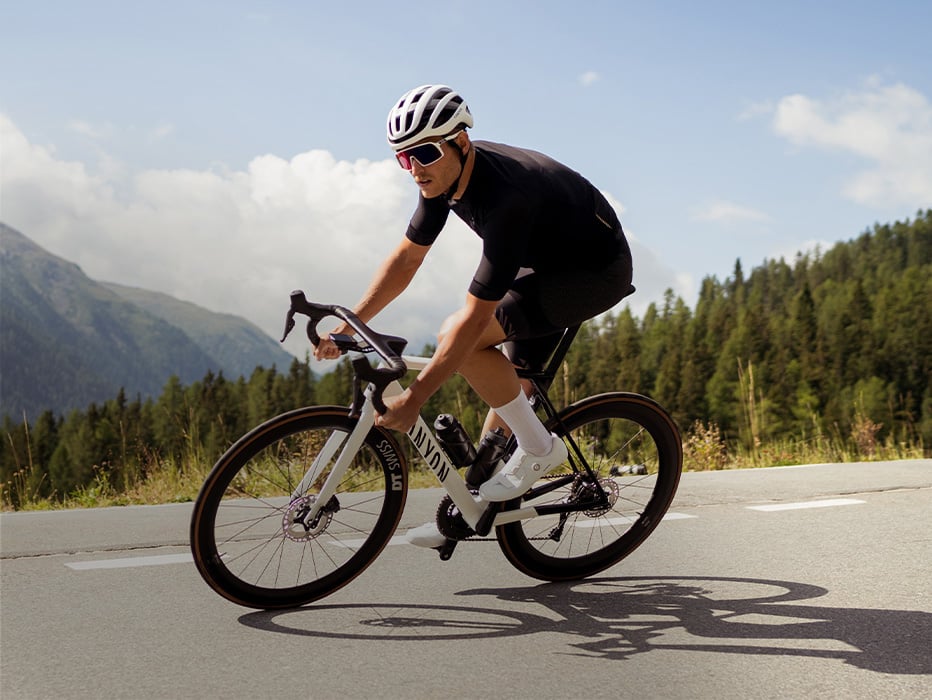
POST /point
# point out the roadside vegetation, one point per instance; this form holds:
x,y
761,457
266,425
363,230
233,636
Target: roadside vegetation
x,y
825,359
178,481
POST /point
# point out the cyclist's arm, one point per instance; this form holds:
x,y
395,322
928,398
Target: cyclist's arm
x,y
391,279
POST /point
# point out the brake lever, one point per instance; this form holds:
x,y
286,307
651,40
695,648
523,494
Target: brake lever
x,y
289,324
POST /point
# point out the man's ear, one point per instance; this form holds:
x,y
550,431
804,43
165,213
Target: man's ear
x,y
462,142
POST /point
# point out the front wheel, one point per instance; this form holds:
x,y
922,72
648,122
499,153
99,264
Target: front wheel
x,y
251,537
634,448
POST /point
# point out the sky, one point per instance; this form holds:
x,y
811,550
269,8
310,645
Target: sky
x,y
229,152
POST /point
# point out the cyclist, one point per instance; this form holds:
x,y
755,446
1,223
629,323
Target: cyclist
x,y
553,255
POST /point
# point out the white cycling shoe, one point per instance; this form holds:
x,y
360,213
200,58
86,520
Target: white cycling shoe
x,y
426,535
522,470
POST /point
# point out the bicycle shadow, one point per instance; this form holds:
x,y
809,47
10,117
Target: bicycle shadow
x,y
617,618
653,613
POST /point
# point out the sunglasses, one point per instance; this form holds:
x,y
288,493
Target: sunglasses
x,y
424,154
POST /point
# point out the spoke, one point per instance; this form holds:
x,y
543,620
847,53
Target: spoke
x,y
254,522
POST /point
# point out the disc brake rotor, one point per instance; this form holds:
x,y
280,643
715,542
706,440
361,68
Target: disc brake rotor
x,y
610,486
294,522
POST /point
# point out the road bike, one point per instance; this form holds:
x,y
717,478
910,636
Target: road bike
x,y
304,503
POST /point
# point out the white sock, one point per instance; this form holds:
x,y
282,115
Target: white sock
x,y
530,433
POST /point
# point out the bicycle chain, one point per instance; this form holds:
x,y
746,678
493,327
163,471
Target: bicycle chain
x,y
451,524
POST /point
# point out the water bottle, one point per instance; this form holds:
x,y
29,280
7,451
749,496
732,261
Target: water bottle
x,y
454,440
491,450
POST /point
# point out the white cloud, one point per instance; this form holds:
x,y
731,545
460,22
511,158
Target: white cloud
x,y
235,241
161,131
241,241
889,126
756,109
588,78
728,212
93,131
652,278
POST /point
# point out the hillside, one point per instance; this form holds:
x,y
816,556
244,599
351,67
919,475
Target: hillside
x,y
236,344
67,340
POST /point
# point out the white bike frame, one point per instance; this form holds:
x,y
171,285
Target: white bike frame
x,y
345,447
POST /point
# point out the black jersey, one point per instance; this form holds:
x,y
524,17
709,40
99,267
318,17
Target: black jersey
x,y
531,212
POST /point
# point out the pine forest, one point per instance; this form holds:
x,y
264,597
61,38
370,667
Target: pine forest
x,y
825,357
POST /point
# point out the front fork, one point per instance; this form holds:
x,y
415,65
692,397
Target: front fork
x,y
338,443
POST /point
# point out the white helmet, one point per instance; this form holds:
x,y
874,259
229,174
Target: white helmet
x,y
428,110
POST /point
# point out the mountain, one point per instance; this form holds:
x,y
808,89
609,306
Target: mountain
x,y
236,344
67,340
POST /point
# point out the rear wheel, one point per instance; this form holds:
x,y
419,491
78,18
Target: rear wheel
x,y
250,537
634,448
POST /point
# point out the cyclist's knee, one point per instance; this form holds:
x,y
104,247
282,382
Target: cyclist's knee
x,y
492,336
448,325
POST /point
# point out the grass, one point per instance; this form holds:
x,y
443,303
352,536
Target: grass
x,y
171,482
704,449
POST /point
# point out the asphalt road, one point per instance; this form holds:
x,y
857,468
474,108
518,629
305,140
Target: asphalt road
x,y
741,593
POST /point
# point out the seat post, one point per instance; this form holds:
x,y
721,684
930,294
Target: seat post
x,y
544,378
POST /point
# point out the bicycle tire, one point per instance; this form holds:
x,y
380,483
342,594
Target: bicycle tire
x,y
244,538
618,433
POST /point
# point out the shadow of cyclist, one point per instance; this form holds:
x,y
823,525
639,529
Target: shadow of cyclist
x,y
632,615
617,618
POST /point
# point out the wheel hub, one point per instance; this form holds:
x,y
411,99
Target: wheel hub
x,y
610,487
295,524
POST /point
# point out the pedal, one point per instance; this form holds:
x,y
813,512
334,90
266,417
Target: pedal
x,y
446,549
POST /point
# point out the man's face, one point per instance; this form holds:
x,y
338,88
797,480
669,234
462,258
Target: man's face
x,y
437,178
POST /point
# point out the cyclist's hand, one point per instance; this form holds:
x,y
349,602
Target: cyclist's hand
x,y
326,350
402,413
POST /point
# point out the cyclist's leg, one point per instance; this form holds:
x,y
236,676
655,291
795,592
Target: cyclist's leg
x,y
486,369
495,379
534,314
541,306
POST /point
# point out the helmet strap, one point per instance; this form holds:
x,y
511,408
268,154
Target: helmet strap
x,y
467,161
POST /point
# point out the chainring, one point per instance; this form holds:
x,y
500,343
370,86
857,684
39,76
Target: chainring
x,y
450,521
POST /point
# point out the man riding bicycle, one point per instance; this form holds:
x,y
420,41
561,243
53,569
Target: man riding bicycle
x,y
553,255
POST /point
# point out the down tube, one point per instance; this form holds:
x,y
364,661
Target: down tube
x,y
445,472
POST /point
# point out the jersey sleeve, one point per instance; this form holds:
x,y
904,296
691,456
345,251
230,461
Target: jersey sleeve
x,y
505,241
428,220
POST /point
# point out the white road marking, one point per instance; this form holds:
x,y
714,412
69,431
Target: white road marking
x,y
627,520
602,522
162,559
355,544
808,504
130,562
